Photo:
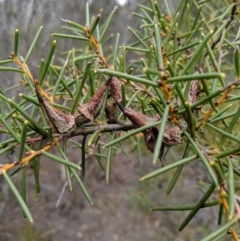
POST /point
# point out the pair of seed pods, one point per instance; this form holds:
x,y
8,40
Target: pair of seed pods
x,y
62,123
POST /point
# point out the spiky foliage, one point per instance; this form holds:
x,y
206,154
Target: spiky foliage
x,y
187,73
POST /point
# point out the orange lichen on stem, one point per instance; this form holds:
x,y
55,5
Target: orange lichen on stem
x,y
23,67
224,202
96,45
173,116
217,103
234,234
167,91
29,158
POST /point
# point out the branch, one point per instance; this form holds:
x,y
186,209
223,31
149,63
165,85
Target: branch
x,y
104,128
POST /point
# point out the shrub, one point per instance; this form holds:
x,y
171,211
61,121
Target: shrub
x,y
180,77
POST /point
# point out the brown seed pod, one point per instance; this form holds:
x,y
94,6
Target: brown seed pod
x,y
59,122
115,89
90,111
112,110
172,133
193,95
138,119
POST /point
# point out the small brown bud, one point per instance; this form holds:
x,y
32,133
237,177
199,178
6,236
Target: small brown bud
x,y
175,110
165,76
169,87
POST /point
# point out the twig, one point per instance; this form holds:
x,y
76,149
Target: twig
x,y
104,128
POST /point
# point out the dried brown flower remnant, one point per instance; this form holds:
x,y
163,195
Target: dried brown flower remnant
x,y
90,111
56,119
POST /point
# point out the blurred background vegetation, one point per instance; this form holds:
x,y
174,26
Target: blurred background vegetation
x,y
121,209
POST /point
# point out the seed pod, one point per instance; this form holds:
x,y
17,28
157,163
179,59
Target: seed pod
x,y
150,138
115,89
112,110
138,119
56,119
90,111
193,95
172,133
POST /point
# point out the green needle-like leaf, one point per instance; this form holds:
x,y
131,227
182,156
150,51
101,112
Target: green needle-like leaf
x,y
39,128
197,207
95,23
158,51
184,208
107,24
18,196
79,181
167,168
69,36
221,231
178,172
43,74
60,78
109,159
224,133
36,171
196,53
23,140
24,185
231,194
16,43
60,160
131,134
11,69
33,45
202,157
126,76
83,154
79,90
159,142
